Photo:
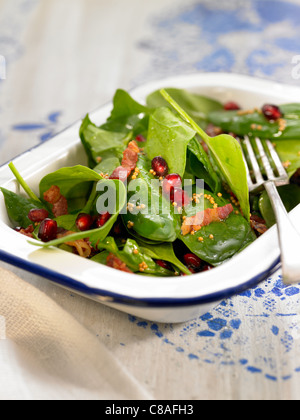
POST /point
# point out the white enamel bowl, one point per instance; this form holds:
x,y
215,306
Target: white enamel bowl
x,y
156,299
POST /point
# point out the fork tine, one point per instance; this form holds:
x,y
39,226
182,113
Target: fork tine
x,y
276,159
265,160
250,182
253,160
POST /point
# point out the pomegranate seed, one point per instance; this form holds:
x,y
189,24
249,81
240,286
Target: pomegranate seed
x,y
160,166
164,265
181,198
48,230
84,222
231,106
192,261
102,219
140,139
172,182
117,229
38,215
272,112
207,268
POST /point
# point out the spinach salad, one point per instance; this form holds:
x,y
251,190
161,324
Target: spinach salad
x,y
165,189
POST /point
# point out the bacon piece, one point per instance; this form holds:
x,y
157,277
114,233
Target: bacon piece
x,y
205,218
114,262
131,155
52,195
61,207
130,158
27,232
58,201
120,173
258,224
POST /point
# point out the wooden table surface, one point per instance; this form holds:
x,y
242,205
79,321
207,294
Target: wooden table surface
x,y
67,57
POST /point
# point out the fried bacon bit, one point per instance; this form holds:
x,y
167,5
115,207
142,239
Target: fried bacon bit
x,y
114,262
258,224
121,173
58,201
52,195
130,158
26,232
205,218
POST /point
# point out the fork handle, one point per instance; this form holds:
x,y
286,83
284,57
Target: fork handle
x,y
289,238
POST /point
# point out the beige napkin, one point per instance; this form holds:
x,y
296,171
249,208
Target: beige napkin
x,y
46,354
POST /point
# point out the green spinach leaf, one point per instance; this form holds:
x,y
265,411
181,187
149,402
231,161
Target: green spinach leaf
x,y
18,208
202,167
157,222
197,106
102,144
228,237
169,137
290,195
134,257
256,124
289,152
164,252
127,116
74,182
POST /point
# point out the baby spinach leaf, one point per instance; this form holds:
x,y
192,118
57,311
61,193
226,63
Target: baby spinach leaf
x,y
169,137
256,124
101,258
23,183
100,143
127,116
134,257
228,236
197,106
18,208
164,252
227,155
74,182
289,151
201,165
290,195
67,221
157,222
125,106
107,166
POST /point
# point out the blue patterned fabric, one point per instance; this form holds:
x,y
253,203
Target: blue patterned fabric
x,y
258,37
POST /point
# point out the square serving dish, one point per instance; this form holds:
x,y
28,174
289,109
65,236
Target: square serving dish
x,y
156,299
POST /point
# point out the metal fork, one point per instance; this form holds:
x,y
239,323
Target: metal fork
x,y
289,238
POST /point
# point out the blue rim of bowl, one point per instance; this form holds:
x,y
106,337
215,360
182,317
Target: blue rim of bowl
x,y
115,298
